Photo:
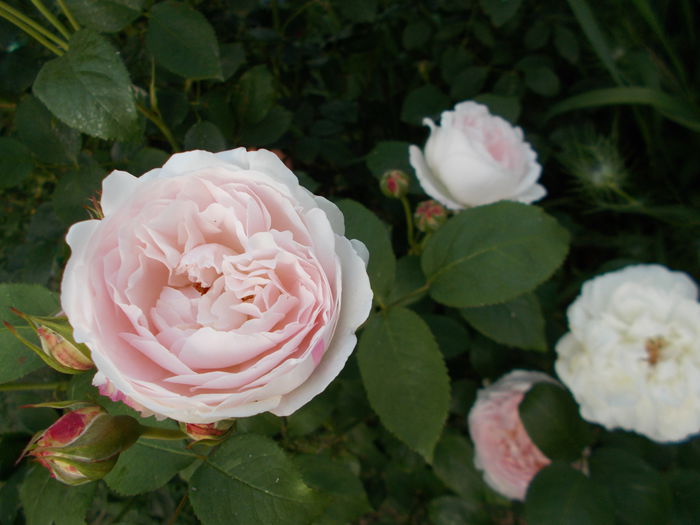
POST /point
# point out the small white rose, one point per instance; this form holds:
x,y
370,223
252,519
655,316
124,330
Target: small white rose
x,y
476,158
632,357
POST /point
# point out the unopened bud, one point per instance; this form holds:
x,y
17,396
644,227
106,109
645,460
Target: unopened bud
x,y
394,184
430,215
83,445
211,432
58,349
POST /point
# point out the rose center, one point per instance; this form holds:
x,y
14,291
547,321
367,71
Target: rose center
x,y
653,347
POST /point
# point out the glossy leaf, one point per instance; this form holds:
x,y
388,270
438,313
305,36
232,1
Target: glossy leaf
x,y
492,254
89,89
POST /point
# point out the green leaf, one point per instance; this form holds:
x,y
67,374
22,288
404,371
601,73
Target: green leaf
x,y
550,416
147,159
347,500
491,254
425,101
89,89
416,34
685,487
183,41
683,113
49,502
468,83
270,129
16,162
560,495
500,11
16,360
409,278
107,16
28,298
232,58
518,322
448,510
255,95
640,494
405,377
595,36
312,415
362,224
205,135
248,480
74,189
454,465
49,139
388,155
148,465
450,334
542,80
503,106
566,44
359,10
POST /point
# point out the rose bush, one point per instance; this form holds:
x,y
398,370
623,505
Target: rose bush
x,y
502,447
215,287
632,356
475,158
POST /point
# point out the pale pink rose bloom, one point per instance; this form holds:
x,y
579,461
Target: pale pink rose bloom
x,y
215,287
502,447
474,158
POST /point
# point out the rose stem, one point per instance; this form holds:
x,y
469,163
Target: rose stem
x,y
409,224
161,433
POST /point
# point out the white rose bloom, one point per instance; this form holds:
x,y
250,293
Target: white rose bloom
x,y
476,158
632,357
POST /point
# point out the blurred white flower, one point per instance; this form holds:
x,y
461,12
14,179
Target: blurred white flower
x,y
632,356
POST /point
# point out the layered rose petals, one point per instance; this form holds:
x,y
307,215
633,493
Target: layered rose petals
x,y
215,287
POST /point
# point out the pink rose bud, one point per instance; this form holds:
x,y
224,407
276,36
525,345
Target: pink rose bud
x,y
83,445
503,449
208,431
58,349
394,184
430,215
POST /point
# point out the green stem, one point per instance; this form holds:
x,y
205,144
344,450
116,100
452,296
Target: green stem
x,y
178,510
33,29
162,433
51,18
417,291
19,387
162,126
68,15
409,224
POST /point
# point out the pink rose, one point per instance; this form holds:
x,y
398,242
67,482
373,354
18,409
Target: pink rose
x,y
503,449
475,158
215,287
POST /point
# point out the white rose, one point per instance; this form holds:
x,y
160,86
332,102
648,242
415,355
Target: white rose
x,y
476,158
632,357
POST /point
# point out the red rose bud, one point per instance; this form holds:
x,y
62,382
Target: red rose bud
x,y
394,184
58,349
83,445
208,431
430,215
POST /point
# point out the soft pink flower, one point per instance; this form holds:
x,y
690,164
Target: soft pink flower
x,y
215,287
475,158
503,449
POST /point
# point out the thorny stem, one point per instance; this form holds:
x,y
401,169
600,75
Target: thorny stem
x,y
34,30
52,19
